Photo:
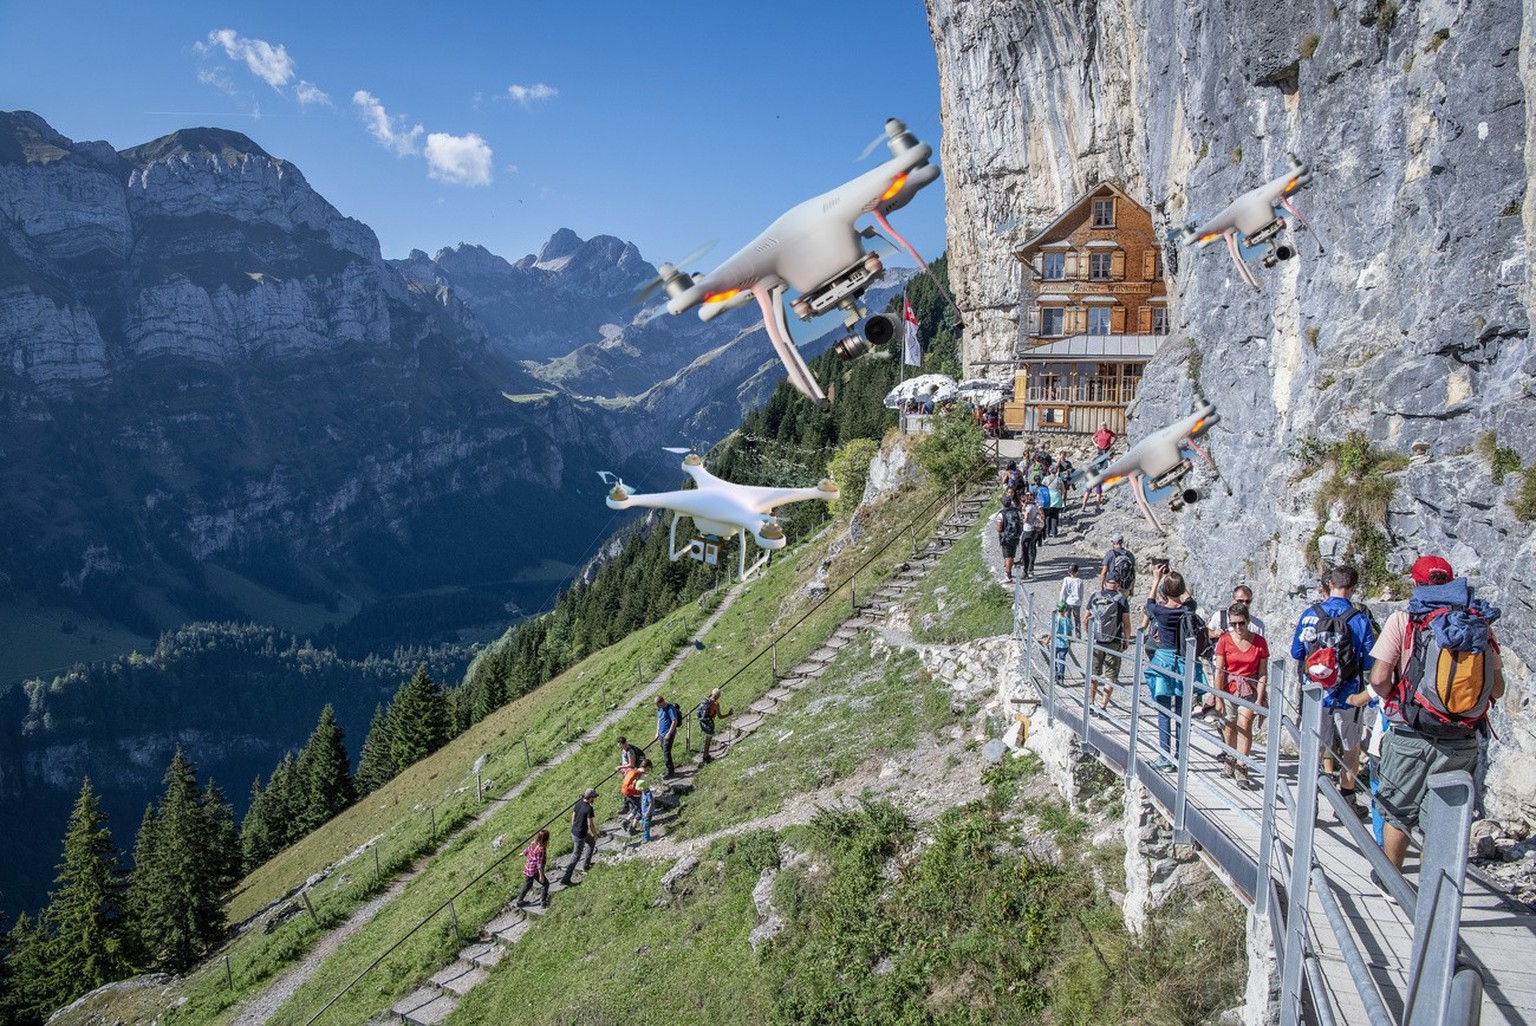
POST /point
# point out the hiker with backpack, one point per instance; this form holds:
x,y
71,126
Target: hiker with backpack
x,y
1242,670
1055,502
1119,563
1437,671
1033,523
1108,619
1332,646
583,835
1172,612
707,713
1010,529
668,718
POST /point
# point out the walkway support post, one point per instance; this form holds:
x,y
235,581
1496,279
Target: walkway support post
x,y
1277,685
1299,885
1184,728
1131,759
1442,882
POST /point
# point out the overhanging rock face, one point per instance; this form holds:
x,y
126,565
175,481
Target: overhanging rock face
x,y
1413,327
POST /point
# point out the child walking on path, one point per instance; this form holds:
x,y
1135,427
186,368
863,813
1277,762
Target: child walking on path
x,y
533,870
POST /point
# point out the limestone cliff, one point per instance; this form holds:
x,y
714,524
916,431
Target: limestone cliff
x,y
1413,326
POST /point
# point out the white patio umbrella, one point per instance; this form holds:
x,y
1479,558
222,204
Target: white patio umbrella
x,y
938,387
982,391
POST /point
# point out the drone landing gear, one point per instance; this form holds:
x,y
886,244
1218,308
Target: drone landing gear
x,y
778,332
1237,258
706,549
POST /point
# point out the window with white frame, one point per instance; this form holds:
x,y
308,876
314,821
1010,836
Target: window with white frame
x,y
1159,320
1098,320
1104,212
1052,320
1054,266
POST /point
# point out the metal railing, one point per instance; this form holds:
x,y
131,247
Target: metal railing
x,y
1283,878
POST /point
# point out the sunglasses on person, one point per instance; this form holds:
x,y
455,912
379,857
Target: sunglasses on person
x,y
1236,623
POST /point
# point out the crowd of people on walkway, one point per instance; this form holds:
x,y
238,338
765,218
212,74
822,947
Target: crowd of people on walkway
x,y
1401,700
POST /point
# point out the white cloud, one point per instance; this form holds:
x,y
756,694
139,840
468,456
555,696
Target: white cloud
x,y
269,63
389,131
307,93
218,78
459,159
527,94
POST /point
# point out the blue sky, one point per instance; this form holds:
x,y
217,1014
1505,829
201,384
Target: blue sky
x,y
664,124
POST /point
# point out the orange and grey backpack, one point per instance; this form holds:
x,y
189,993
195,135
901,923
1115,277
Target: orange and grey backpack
x,y
1448,686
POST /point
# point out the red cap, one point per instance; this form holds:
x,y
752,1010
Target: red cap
x,y
1432,570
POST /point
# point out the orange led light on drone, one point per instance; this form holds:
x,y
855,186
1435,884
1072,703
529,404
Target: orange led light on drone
x,y
1209,236
720,297
1291,185
894,189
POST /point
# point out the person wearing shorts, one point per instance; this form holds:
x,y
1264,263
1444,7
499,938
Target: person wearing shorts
x,y
1339,735
1242,670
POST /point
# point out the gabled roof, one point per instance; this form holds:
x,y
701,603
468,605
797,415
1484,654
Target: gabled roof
x,y
1023,250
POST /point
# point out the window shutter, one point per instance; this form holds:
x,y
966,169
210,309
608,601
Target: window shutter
x,y
1144,320
1079,321
1070,265
1148,264
1039,265
1117,320
1034,322
1117,264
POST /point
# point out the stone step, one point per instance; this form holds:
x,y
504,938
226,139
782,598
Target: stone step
x,y
486,954
822,655
835,643
780,694
460,977
763,705
744,725
846,632
802,670
512,921
426,1007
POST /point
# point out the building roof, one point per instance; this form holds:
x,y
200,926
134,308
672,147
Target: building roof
x,y
1035,241
1125,348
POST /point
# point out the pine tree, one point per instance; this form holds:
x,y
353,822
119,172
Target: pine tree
x,y
185,864
257,843
375,763
418,718
323,775
85,913
27,1000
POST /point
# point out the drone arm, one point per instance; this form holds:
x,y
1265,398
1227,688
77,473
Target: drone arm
x,y
766,499
778,333
1231,236
1285,201
893,233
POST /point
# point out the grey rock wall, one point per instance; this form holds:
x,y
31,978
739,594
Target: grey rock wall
x,y
1413,326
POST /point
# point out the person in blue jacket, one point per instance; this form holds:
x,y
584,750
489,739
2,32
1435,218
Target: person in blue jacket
x,y
668,718
1339,738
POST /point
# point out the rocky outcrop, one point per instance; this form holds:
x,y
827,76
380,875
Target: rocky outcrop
x,y
1406,315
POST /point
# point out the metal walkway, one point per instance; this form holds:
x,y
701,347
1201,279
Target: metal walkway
x,y
1361,932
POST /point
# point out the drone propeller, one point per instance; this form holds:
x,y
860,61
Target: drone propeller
x,y
874,144
680,450
668,272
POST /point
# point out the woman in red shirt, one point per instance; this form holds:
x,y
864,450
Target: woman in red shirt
x,y
1242,669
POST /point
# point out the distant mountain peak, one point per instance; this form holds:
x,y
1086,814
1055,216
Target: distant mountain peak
x,y
560,245
220,143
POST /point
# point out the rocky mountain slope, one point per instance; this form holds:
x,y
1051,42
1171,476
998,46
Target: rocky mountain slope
x,y
1413,327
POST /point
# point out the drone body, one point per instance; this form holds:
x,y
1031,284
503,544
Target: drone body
x,y
815,249
1159,462
722,510
1252,220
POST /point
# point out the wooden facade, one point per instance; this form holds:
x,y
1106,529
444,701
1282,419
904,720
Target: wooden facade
x,y
1093,310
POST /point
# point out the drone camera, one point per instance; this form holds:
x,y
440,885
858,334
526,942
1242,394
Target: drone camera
x,y
1190,496
851,348
879,330
1285,252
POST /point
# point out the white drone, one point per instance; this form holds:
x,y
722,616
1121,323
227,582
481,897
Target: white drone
x,y
1252,220
721,510
1159,462
816,250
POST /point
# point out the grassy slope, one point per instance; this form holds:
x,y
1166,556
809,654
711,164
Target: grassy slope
x,y
605,949
400,815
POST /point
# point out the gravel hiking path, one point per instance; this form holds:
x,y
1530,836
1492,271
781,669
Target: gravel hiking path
x,y
264,1005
